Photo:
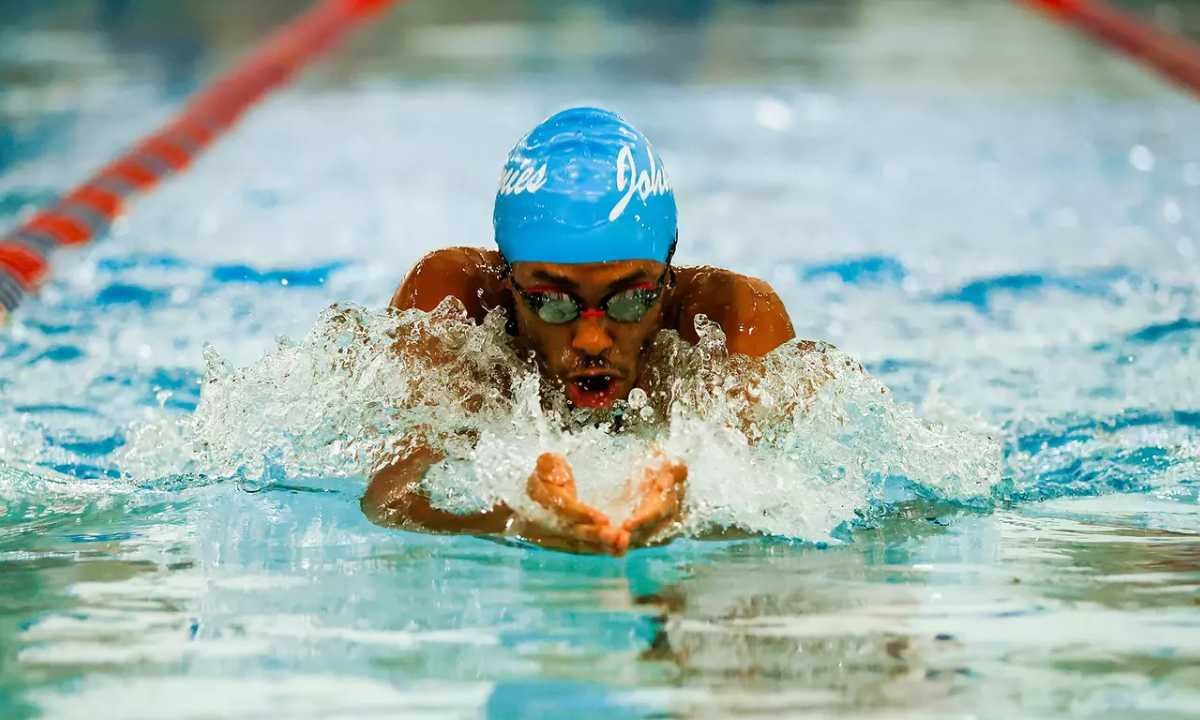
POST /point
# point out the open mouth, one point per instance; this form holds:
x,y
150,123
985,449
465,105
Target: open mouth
x,y
594,390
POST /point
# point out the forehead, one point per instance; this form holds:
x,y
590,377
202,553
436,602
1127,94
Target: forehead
x,y
588,274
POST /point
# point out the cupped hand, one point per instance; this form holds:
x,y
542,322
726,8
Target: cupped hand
x,y
576,526
662,490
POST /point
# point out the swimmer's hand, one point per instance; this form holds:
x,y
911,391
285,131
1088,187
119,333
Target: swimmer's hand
x,y
662,490
577,526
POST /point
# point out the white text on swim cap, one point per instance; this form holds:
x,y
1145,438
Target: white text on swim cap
x,y
526,178
652,182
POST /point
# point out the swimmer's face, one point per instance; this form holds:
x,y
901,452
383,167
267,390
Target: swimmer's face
x,y
597,355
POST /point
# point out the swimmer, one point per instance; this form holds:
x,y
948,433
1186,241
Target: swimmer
x,y
585,224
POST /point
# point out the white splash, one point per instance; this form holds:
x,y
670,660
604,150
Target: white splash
x,y
793,444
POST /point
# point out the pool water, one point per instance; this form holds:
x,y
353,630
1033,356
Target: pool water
x,y
1001,221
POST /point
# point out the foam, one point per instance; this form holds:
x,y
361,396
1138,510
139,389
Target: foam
x,y
794,444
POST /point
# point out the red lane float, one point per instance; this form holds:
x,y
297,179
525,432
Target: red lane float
x,y
1174,57
87,211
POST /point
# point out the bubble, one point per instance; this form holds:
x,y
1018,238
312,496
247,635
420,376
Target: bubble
x,y
1141,158
773,114
1171,211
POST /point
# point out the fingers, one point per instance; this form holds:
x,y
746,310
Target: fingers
x,y
656,501
563,503
583,528
652,510
570,509
652,516
677,471
552,485
610,540
553,469
594,539
580,527
663,484
662,501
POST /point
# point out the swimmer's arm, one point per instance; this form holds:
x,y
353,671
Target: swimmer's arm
x,y
472,275
754,320
749,311
394,498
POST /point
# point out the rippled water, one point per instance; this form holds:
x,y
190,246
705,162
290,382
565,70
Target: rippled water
x,y
998,220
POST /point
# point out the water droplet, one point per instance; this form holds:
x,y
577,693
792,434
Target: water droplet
x,y
773,114
1141,158
1172,213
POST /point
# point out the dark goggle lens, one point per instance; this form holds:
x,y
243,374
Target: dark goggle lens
x,y
557,309
630,306
626,307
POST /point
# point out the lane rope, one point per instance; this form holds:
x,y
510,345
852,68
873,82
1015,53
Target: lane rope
x,y
88,210
1174,57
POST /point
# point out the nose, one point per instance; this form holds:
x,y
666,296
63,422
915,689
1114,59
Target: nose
x,y
590,338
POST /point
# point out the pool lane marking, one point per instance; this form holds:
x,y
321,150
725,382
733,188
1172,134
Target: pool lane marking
x,y
10,293
1172,56
87,211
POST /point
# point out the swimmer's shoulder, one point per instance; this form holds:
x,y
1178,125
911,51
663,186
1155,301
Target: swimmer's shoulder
x,y
473,275
749,311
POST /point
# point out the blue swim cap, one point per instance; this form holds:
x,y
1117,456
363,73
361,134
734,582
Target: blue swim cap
x,y
584,186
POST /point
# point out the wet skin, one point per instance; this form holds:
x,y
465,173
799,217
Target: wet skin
x,y
597,361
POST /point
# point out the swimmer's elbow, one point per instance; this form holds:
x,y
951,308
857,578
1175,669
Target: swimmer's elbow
x,y
393,496
388,497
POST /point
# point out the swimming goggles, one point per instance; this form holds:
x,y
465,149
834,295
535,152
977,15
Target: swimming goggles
x,y
624,306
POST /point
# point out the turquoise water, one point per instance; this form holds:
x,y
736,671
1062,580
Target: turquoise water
x,y
997,219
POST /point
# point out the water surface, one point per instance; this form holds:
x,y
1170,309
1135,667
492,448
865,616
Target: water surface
x,y
997,218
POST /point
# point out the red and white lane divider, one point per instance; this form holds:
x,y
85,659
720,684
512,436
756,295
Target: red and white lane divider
x,y
87,211
1174,57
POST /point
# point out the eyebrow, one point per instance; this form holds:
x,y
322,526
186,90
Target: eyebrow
x,y
546,277
626,280
549,277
